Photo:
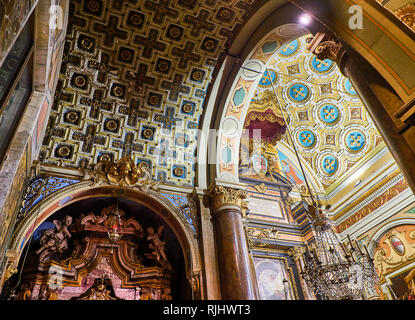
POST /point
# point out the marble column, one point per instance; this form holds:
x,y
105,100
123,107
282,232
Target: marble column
x,y
236,272
326,46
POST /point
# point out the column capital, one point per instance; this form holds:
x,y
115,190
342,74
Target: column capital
x,y
219,195
325,45
296,252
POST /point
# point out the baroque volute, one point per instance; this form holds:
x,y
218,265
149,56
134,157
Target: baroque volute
x,y
325,45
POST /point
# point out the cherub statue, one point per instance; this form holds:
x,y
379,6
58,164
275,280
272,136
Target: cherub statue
x,y
55,240
157,245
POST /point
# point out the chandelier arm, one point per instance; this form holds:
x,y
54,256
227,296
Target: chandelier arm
x,y
292,141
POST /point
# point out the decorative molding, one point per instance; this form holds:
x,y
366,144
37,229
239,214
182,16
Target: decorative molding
x,y
39,188
407,15
372,203
92,180
11,266
187,208
261,188
296,252
220,196
374,190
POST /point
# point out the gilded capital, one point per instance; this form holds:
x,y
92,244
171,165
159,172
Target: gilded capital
x,y
326,46
296,252
220,196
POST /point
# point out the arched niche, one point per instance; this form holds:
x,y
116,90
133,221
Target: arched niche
x,y
152,202
392,247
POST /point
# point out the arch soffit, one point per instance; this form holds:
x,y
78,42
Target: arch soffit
x,y
87,189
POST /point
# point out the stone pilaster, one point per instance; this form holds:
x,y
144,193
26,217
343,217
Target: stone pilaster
x,y
236,272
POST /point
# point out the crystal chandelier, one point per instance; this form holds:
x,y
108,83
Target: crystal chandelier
x,y
334,270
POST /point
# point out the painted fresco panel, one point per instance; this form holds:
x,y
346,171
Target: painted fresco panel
x,y
270,274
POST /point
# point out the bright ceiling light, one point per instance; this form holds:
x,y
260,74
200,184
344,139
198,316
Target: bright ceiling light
x,y
305,19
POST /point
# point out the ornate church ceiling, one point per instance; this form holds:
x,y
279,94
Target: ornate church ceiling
x,y
133,81
328,122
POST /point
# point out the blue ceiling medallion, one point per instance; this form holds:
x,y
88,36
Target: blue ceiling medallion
x,y
298,92
329,165
329,114
306,138
265,80
289,48
349,87
355,141
321,65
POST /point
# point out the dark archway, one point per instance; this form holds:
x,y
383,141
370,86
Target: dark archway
x,y
132,262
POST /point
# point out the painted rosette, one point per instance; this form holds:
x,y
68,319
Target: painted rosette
x,y
306,138
298,93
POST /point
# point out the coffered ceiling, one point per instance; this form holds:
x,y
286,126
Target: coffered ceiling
x,y
133,80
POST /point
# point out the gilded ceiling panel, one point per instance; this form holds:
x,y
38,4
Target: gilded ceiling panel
x,y
133,81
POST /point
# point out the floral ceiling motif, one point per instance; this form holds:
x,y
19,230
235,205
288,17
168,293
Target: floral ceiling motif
x,y
328,122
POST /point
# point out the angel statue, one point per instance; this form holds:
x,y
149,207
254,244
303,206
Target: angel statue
x,y
158,246
54,241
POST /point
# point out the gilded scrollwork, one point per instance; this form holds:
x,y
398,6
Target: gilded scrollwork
x,y
39,188
325,46
123,173
12,262
296,252
220,196
407,15
268,233
399,253
262,188
257,237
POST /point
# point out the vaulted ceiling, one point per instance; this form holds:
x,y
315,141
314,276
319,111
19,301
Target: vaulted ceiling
x,y
328,122
133,80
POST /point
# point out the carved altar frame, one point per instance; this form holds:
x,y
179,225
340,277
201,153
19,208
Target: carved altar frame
x,y
90,187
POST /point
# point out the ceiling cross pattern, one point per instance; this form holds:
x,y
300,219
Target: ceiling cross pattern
x,y
133,79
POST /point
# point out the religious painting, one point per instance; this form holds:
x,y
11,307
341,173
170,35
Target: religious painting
x,y
260,164
402,284
291,171
273,279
